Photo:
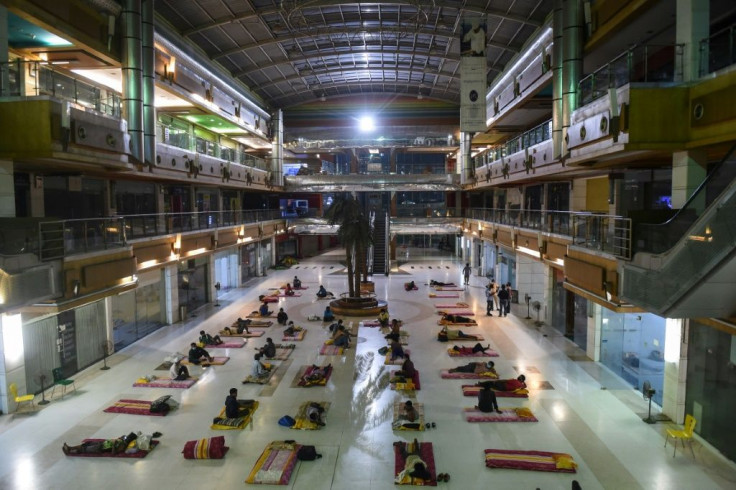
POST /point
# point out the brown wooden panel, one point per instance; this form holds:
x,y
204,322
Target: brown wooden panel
x,y
194,243
225,238
107,273
585,275
503,238
555,251
160,252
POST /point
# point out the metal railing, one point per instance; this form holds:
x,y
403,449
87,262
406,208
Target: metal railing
x,y
58,239
605,233
34,78
538,134
718,51
645,64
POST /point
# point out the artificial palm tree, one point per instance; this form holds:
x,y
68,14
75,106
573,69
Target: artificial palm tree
x,y
354,232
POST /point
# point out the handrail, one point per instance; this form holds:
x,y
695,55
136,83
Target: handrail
x,y
538,134
718,50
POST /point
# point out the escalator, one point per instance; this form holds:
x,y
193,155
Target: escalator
x,y
380,243
686,267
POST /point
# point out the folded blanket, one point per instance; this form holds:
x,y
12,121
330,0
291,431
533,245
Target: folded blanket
x,y
307,370
165,383
302,422
221,422
396,362
140,453
297,336
473,390
399,383
276,464
133,407
446,374
426,454
530,460
403,424
468,352
234,333
521,414
216,361
330,350
207,448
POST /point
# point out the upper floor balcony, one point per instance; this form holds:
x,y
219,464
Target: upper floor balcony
x,y
718,51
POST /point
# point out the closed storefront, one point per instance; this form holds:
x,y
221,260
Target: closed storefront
x,y
137,313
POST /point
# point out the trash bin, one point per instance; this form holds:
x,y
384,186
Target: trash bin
x,y
182,312
514,293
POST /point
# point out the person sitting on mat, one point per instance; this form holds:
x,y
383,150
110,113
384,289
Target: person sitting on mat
x,y
487,402
395,327
506,384
207,339
414,466
323,293
113,446
432,282
297,283
407,368
177,372
407,416
282,317
383,318
288,291
341,337
448,334
409,286
241,325
291,330
334,326
314,413
259,369
449,318
397,350
328,316
196,353
476,348
475,367
235,408
263,310
318,374
269,349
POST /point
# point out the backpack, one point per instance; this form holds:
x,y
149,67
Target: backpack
x,y
287,421
307,453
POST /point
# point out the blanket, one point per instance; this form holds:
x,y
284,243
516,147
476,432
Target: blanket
x,y
164,383
216,361
399,383
276,464
133,407
234,333
475,337
302,422
205,448
473,390
396,362
221,422
457,312
307,370
138,454
426,454
447,288
255,314
298,336
261,380
521,414
443,295
330,350
530,460
471,323
446,374
403,424
468,352
282,353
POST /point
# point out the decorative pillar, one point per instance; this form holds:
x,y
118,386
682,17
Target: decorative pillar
x,y
277,151
466,163
12,359
557,79
572,61
149,110
132,70
170,298
37,199
675,368
692,25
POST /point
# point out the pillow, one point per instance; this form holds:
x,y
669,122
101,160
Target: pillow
x,y
523,412
564,462
212,448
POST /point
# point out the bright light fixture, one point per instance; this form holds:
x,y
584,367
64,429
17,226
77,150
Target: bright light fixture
x,y
366,124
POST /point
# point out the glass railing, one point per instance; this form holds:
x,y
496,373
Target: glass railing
x,y
527,139
642,64
34,78
605,233
718,51
68,237
380,142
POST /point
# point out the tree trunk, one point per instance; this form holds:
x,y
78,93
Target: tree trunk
x,y
349,264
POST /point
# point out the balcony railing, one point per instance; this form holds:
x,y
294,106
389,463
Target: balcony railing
x,y
527,139
644,64
34,78
718,51
605,233
58,239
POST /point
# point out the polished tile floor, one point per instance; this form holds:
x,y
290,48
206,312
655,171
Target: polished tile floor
x,y
584,410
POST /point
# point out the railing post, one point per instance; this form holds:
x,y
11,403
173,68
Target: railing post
x,y
646,62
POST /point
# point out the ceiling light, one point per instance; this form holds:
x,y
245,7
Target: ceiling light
x,y
366,124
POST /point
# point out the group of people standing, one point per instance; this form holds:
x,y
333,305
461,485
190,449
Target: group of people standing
x,y
498,298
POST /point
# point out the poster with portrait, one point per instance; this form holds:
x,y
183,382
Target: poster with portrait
x,y
473,40
473,73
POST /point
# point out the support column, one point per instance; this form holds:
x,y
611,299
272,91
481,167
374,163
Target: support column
x,y
572,61
149,110
557,80
688,172
593,347
466,163
675,368
531,278
692,25
277,151
7,189
4,68
170,298
132,69
109,322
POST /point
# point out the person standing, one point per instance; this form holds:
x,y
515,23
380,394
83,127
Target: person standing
x,y
489,301
493,286
504,298
466,273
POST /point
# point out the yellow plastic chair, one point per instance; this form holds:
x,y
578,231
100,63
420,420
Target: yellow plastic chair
x,y
20,399
683,435
59,380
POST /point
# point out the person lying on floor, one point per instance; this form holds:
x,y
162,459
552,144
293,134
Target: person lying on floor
x,y
407,368
113,446
207,339
409,286
269,349
291,330
235,408
487,402
432,282
177,372
328,316
450,334
288,291
259,369
449,318
297,283
314,413
318,374
263,310
476,348
282,317
505,384
414,466
198,354
476,368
